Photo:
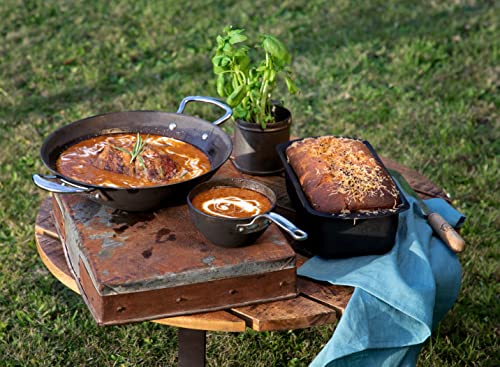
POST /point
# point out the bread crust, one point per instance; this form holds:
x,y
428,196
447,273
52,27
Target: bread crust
x,y
340,175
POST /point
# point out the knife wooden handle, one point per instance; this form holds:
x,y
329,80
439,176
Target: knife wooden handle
x,y
446,232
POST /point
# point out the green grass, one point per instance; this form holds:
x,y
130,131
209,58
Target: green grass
x,y
419,80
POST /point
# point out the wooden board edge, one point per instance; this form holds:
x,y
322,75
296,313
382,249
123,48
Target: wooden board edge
x,y
281,320
210,321
57,272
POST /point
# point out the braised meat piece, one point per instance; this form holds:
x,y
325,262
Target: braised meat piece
x,y
154,166
150,164
114,160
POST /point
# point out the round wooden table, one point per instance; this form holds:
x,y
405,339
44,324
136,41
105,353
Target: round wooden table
x,y
316,303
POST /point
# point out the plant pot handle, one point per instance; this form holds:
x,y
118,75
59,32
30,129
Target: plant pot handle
x,y
280,221
210,100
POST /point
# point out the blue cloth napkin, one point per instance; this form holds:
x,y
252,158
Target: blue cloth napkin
x,y
399,297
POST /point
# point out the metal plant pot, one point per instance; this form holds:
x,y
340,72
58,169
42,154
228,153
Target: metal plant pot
x,y
254,148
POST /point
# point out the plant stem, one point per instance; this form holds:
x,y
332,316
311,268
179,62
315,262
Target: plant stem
x,y
263,95
262,104
242,80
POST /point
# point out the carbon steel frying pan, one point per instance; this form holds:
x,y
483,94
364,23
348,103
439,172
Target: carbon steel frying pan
x,y
206,136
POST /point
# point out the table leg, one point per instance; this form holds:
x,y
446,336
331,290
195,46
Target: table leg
x,y
192,345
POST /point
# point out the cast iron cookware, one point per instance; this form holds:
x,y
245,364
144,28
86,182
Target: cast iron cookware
x,y
236,232
342,235
206,136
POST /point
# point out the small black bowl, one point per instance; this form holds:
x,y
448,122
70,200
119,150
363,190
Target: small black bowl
x,y
237,232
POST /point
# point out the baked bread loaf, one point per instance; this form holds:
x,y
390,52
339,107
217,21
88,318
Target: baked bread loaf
x,y
340,175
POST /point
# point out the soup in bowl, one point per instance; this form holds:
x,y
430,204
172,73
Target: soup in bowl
x,y
234,212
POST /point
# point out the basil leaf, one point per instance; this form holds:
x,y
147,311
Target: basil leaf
x,y
217,60
225,61
220,85
276,48
236,96
291,86
237,38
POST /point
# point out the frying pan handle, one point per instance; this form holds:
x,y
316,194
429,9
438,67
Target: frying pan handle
x,y
59,185
210,100
280,221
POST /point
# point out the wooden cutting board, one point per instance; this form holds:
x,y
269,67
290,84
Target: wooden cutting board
x,y
139,266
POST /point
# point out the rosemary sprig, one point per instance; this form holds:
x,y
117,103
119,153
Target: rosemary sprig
x,y
136,150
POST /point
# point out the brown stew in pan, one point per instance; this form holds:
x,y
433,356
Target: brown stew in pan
x,y
232,202
132,160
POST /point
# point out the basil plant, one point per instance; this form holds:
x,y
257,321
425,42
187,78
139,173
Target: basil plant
x,y
248,86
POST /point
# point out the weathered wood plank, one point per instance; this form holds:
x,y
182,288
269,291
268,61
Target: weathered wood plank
x,y
44,221
209,321
128,252
52,255
420,183
131,258
192,298
335,296
296,313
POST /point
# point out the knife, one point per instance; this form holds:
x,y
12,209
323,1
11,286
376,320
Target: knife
x,y
440,226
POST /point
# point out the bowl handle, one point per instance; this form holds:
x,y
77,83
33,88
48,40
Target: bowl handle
x,y
59,185
280,221
210,100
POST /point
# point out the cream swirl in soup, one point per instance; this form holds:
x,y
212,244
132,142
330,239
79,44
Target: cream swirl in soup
x,y
232,202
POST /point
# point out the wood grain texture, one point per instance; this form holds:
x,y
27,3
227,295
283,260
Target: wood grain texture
x,y
279,315
209,321
334,296
188,299
296,313
143,266
52,255
421,184
446,232
44,221
331,295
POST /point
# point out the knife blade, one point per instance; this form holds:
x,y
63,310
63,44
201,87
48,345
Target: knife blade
x,y
440,226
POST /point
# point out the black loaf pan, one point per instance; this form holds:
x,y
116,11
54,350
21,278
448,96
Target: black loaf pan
x,y
341,235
